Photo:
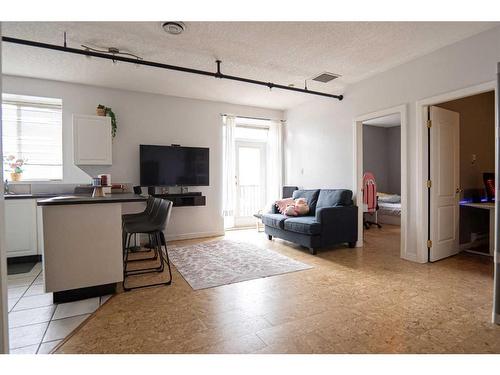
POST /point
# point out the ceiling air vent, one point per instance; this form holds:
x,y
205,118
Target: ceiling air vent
x,y
325,77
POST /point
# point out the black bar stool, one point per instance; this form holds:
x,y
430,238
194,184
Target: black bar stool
x,y
153,225
151,206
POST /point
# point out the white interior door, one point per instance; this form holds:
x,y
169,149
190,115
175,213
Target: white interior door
x,y
250,181
445,179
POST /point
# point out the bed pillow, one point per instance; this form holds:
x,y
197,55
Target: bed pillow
x,y
389,198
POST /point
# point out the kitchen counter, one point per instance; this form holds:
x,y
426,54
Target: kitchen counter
x,y
73,199
82,243
30,196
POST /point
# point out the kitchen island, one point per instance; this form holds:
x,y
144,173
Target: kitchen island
x,y
82,237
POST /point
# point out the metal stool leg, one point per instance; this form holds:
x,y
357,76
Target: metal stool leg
x,y
156,238
162,236
155,253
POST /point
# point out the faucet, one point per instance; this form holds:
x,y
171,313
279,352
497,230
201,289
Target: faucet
x,y
6,189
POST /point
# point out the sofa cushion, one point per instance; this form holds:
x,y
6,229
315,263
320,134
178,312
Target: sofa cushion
x,y
303,224
274,220
334,198
311,197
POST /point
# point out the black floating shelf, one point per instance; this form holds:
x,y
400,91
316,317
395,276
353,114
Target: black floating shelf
x,y
184,200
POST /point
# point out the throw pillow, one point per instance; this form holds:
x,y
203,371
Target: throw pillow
x,y
299,208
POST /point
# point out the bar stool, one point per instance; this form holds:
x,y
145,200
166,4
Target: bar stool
x,y
153,225
151,206
151,210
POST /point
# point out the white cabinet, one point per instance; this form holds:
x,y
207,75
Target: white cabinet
x,y
92,140
21,227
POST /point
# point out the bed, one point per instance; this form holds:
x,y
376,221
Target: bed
x,y
389,208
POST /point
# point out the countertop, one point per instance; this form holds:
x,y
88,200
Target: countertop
x,y
73,200
30,196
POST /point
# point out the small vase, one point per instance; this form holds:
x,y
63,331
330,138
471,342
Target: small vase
x,y
15,176
100,111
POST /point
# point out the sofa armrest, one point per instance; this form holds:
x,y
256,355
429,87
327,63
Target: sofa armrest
x,y
338,214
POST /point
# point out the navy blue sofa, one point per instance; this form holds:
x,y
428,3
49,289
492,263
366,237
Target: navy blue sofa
x,y
333,219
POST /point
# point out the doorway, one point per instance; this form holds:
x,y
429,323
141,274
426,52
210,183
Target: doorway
x,y
250,181
395,214
461,153
252,168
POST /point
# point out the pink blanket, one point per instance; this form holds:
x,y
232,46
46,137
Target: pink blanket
x,y
282,204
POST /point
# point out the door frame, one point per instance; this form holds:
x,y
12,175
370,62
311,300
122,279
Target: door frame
x,y
421,106
263,162
4,321
358,172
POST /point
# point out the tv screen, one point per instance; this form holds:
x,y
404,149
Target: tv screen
x,y
174,166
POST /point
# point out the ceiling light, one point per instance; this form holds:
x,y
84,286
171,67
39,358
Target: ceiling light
x,y
174,27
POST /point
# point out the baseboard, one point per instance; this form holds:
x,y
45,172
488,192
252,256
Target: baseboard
x,y
496,318
412,257
190,236
83,293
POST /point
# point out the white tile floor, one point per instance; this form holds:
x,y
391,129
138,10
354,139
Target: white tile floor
x,y
36,324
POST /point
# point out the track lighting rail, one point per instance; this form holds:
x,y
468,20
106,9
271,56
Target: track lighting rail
x,y
136,61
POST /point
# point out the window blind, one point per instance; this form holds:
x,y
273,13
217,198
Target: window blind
x,y
32,130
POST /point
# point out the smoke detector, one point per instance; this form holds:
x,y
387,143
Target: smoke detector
x,y
174,27
325,77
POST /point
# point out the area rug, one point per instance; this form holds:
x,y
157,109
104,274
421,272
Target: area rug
x,y
222,262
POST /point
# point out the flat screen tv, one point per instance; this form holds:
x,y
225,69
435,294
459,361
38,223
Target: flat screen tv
x,y
174,166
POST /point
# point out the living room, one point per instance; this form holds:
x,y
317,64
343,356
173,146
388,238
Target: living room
x,y
190,190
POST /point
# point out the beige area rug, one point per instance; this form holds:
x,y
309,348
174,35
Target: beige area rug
x,y
215,263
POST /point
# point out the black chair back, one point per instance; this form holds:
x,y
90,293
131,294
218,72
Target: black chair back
x,y
162,215
155,208
149,205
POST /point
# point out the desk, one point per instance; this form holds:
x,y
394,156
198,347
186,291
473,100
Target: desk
x,y
491,207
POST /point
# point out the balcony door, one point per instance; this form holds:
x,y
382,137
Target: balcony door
x,y
250,181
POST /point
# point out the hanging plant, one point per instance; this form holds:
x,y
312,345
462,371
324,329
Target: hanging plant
x,y
102,110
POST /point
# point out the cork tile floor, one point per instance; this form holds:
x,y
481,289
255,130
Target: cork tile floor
x,y
364,300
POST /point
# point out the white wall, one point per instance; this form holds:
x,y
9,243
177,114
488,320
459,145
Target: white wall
x,y
147,119
320,133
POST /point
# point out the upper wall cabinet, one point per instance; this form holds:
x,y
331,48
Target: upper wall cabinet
x,y
92,140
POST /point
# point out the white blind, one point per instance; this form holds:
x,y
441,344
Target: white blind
x,y
32,130
251,129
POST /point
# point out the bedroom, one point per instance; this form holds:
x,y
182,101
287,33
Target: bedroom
x,y
382,172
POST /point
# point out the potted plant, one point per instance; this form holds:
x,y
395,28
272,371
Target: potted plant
x,y
102,110
15,167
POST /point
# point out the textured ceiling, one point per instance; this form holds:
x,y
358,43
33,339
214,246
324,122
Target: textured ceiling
x,y
280,52
385,121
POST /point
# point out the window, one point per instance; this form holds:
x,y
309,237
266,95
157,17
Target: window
x,y
32,132
251,129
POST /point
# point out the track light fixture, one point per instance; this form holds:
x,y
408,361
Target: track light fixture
x,y
115,55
